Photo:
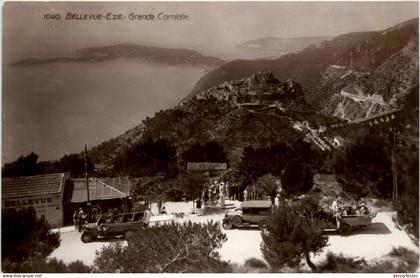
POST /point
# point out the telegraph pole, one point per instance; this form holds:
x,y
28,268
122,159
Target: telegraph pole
x,y
87,184
394,167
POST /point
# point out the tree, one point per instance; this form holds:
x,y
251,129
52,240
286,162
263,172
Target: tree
x,y
23,166
24,235
26,243
28,166
267,185
175,247
294,231
209,152
193,183
296,177
147,159
75,164
25,238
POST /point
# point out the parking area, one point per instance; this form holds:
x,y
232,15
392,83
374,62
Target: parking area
x,y
242,244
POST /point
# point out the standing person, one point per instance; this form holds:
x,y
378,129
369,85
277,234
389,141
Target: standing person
x,y
163,211
81,216
159,205
246,194
95,213
198,206
363,210
205,197
75,222
337,209
277,200
124,208
147,215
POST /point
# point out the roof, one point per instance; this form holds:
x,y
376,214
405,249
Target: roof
x,y
98,190
122,184
256,204
32,185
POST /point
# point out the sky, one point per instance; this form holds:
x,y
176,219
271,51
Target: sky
x,y
212,28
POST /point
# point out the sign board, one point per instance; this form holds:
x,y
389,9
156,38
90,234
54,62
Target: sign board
x,y
47,205
206,166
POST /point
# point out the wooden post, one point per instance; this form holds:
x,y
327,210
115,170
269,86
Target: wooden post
x,y
394,168
87,185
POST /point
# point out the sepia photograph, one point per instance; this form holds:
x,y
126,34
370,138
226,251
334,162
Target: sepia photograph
x,y
210,137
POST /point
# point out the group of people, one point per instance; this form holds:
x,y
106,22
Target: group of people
x,y
339,211
79,219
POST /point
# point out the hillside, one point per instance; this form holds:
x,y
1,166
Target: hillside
x,y
148,54
263,112
269,47
364,53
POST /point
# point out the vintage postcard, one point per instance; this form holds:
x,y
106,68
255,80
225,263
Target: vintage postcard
x,y
210,137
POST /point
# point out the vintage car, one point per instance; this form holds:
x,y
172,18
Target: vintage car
x,y
250,213
112,226
350,221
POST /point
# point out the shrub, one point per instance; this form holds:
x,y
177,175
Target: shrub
x,y
255,263
26,236
294,230
175,247
341,264
399,260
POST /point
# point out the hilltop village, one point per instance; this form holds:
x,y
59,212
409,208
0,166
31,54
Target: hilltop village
x,y
261,92
261,88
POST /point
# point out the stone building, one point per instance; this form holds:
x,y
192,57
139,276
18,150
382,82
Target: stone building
x,y
49,195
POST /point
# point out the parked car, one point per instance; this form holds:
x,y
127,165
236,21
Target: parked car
x,y
350,221
112,226
250,213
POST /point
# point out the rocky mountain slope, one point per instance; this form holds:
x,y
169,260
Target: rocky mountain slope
x,y
368,93
148,54
377,65
266,116
274,47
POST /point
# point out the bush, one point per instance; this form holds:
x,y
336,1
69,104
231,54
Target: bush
x,y
255,263
294,230
363,167
42,265
175,247
25,236
399,260
78,267
341,264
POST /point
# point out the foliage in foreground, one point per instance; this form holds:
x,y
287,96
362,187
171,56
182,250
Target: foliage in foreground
x,y
399,260
294,231
26,243
43,265
174,248
26,236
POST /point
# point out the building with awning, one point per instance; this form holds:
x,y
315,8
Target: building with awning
x,y
101,195
49,195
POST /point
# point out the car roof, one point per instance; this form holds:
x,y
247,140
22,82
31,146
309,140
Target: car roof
x,y
256,204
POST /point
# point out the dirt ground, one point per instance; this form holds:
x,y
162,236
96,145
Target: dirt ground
x,y
370,243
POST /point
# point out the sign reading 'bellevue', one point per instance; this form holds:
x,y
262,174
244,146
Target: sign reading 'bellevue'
x,y
28,202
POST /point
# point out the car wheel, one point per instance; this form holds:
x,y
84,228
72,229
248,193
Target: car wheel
x,y
87,237
345,229
237,220
129,234
263,225
227,225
